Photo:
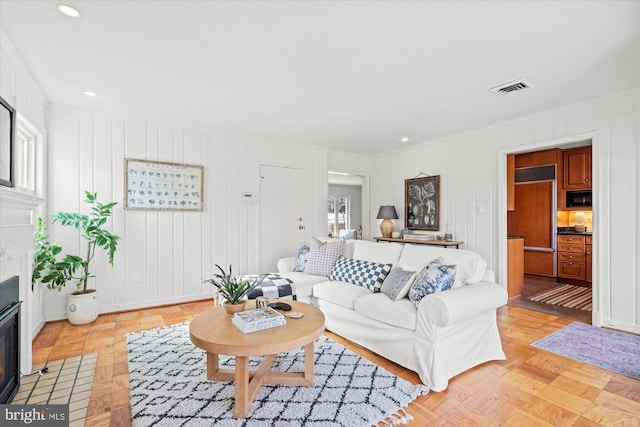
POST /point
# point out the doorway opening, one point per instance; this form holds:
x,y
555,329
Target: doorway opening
x,y
347,205
557,268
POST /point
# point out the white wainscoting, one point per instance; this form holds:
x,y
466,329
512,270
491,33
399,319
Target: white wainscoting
x,y
163,256
470,191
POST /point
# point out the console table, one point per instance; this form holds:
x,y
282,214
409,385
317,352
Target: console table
x,y
443,243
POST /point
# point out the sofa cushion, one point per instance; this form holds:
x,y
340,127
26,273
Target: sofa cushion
x,y
397,283
470,267
362,273
322,256
384,253
301,260
401,314
339,293
436,277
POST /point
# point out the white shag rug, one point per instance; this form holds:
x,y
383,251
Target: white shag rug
x,y
169,387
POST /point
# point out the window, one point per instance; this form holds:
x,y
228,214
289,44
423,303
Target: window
x,y
28,150
337,215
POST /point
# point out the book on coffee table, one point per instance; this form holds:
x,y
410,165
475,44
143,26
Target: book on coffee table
x,y
257,319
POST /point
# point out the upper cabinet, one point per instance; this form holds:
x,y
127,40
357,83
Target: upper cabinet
x,y
577,168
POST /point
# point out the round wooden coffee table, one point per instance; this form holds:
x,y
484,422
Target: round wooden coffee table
x,y
213,332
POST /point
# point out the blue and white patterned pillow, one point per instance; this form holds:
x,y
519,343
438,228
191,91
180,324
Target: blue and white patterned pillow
x,y
367,274
301,261
435,277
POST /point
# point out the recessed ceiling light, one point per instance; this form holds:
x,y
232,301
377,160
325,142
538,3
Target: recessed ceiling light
x,y
68,10
90,93
405,139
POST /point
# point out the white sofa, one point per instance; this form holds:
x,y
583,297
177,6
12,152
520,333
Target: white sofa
x,y
449,332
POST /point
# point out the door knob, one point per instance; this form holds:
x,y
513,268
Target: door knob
x,y
301,227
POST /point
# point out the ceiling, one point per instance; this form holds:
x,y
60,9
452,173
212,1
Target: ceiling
x,y
348,75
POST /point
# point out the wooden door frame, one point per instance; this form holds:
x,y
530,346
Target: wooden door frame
x,y
565,142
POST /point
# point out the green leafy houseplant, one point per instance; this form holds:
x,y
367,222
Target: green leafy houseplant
x,y
56,273
233,288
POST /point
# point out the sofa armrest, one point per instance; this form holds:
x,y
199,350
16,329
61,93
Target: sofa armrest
x,y
459,304
286,264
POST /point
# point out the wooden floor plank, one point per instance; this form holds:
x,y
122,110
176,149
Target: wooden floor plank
x,y
532,387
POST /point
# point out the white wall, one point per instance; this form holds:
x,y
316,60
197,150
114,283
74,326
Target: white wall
x,y
163,256
471,192
18,87
17,210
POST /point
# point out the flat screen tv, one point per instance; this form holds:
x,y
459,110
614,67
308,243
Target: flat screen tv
x,y
7,135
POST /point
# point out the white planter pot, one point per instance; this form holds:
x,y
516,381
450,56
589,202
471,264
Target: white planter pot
x,y
82,308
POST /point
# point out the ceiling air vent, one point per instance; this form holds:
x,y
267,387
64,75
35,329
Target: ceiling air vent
x,y
515,86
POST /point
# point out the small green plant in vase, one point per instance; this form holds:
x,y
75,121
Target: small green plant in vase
x,y
233,288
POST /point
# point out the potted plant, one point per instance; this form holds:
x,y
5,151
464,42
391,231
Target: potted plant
x,y
233,288
82,306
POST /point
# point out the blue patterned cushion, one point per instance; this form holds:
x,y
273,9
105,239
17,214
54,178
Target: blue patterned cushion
x,y
301,261
435,277
395,283
367,274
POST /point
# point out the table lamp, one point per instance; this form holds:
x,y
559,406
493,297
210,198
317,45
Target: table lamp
x,y
387,213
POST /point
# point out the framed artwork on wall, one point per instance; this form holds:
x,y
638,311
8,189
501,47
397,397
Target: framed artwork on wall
x,y
7,136
163,185
422,203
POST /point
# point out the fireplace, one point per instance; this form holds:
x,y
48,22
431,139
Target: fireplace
x,y
9,339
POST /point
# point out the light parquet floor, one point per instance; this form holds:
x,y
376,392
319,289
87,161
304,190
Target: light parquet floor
x,y
531,388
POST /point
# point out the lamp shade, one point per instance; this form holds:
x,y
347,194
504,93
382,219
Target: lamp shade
x,y
387,212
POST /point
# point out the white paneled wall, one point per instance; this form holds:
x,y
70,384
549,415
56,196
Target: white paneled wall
x,y
163,256
19,89
471,190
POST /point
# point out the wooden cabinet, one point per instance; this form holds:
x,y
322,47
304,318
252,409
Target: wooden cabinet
x,y
537,158
572,257
511,180
588,264
576,168
515,266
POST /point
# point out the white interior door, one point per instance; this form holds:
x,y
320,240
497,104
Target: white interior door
x,y
282,219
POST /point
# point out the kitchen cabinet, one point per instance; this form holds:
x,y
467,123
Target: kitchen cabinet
x,y
588,264
538,158
577,168
515,266
572,262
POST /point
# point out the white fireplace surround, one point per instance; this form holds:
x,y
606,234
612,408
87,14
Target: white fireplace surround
x,y
18,212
